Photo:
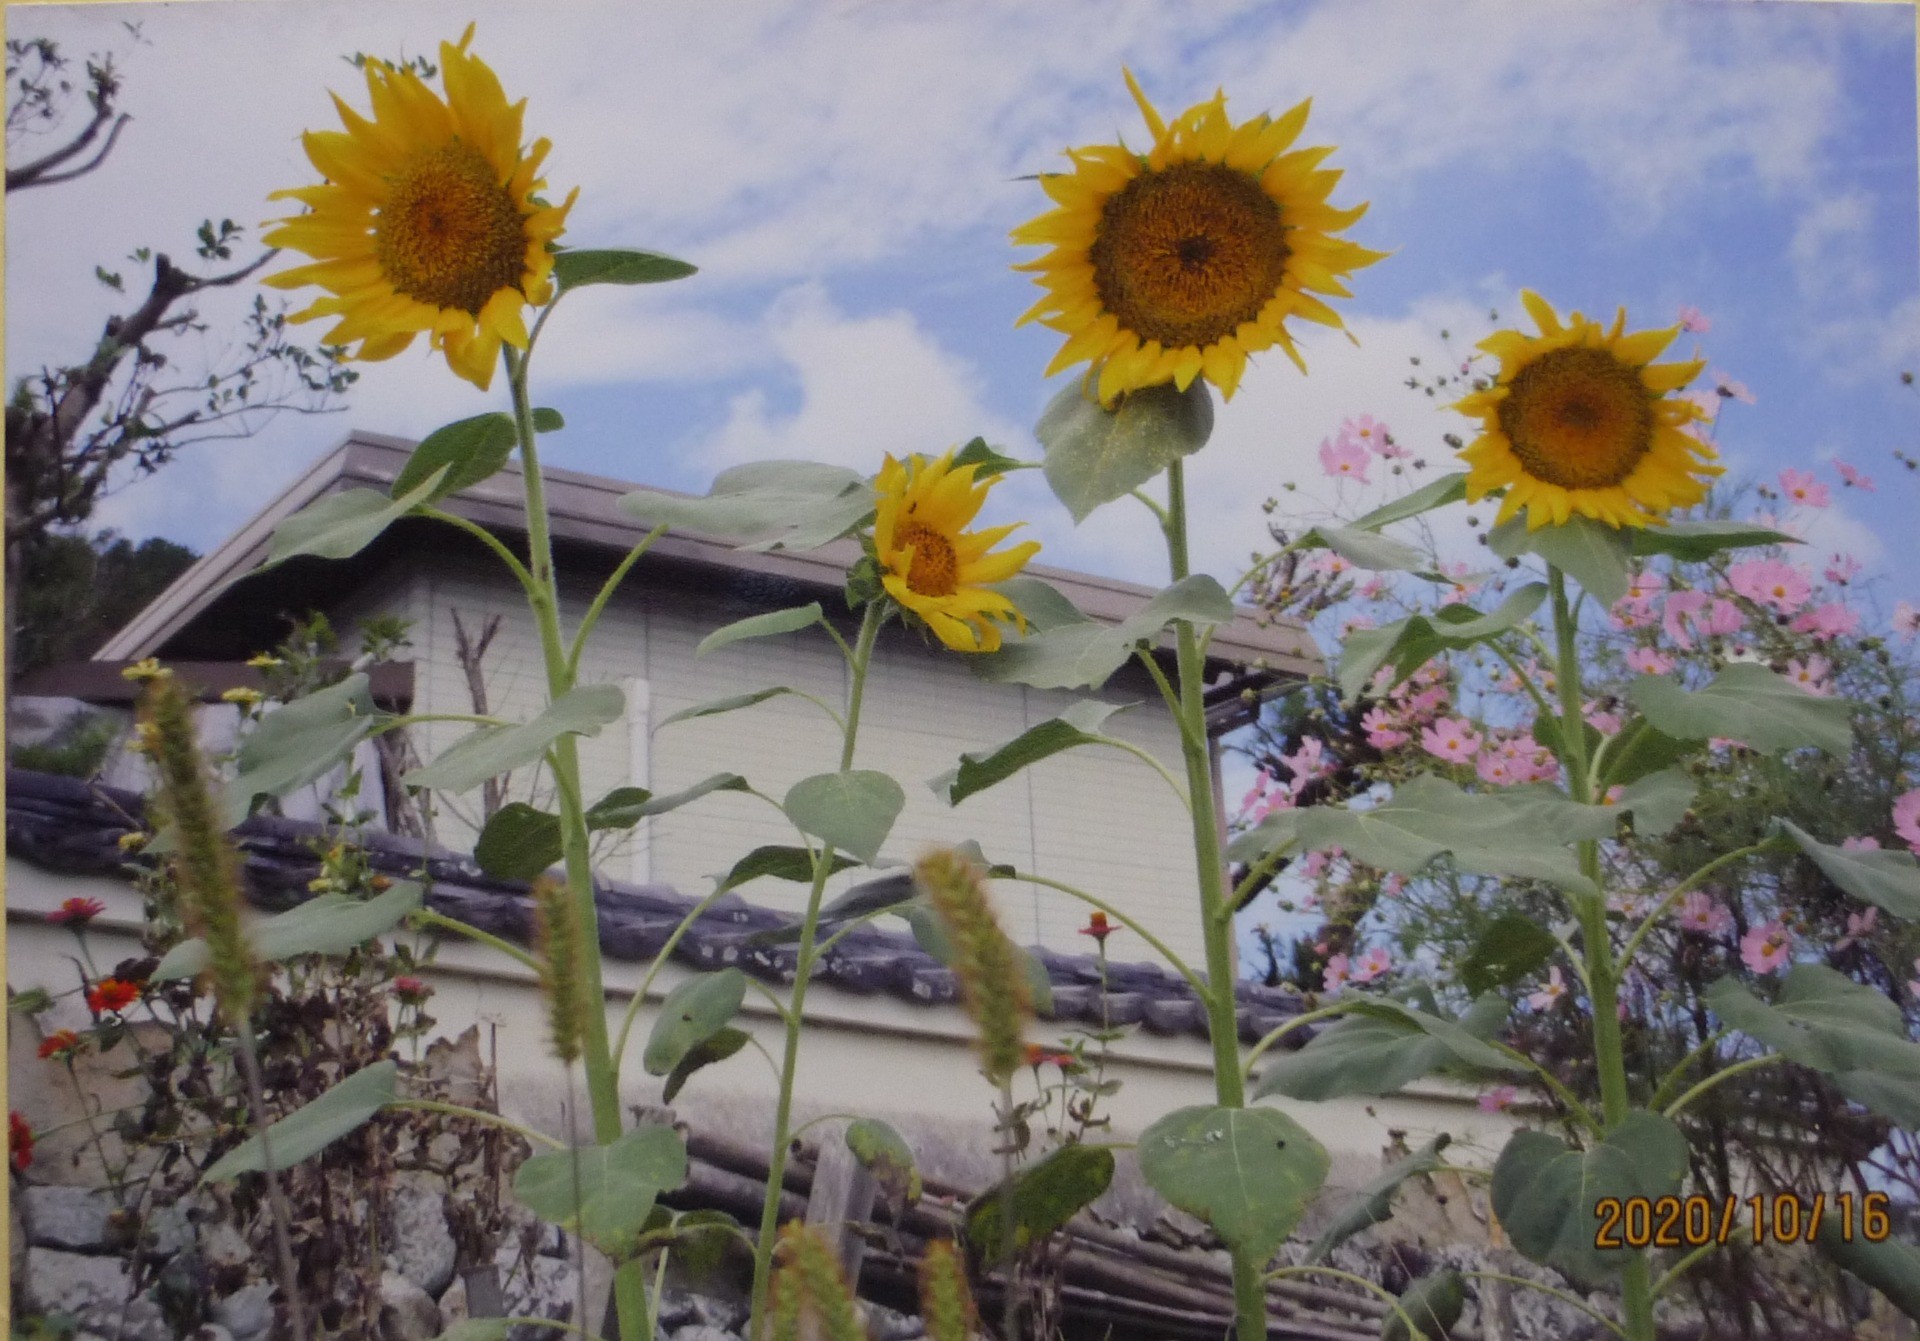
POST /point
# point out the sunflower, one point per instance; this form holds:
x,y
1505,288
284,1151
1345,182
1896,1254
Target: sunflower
x,y
429,221
1179,262
931,564
1580,420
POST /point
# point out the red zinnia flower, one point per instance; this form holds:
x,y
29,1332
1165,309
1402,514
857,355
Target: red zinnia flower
x,y
1099,928
59,1043
19,1141
77,911
411,991
1038,1055
111,994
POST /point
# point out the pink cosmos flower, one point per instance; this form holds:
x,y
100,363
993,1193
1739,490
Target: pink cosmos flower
x,y
1314,865
1831,620
1842,569
1306,765
1372,964
1767,948
1906,818
1694,322
1802,488
1852,478
1495,768
1344,460
1606,723
1681,606
1703,913
1859,927
1906,619
1336,973
1451,739
1648,661
1501,1097
1374,587
1367,432
1383,732
1393,885
1811,675
1770,582
1730,389
1547,997
1860,843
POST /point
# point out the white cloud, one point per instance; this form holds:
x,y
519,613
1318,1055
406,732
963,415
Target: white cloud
x,y
1829,253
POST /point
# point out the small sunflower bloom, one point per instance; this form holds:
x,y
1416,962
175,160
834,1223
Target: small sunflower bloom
x,y
430,220
1580,420
1181,261
931,564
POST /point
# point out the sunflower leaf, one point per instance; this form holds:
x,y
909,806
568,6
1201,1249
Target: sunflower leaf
x,y
1095,455
1889,880
769,625
1698,541
854,810
1447,489
1408,644
1077,725
1748,703
577,269
989,460
792,505
1591,552
1085,654
1364,549
471,450
340,525
490,751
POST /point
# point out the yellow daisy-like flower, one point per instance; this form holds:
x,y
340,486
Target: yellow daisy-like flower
x,y
931,564
1179,262
429,221
1580,420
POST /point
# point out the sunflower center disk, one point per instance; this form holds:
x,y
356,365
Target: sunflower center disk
x,y
449,234
1188,254
935,570
1578,418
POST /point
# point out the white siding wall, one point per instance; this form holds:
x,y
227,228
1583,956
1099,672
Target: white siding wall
x,y
1098,819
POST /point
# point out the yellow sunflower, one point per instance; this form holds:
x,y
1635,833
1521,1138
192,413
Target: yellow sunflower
x,y
931,564
1580,420
1179,262
429,221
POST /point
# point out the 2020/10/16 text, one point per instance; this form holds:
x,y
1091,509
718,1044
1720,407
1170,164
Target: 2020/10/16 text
x,y
1693,1222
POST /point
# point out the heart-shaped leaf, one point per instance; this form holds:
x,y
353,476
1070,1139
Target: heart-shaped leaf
x,y
1436,494
1408,644
731,703
782,863
1749,703
314,1126
1508,949
884,1152
1698,541
1078,724
1248,1172
1364,549
1385,1045
1096,455
301,742
722,1045
460,454
340,525
1434,1303
624,807
793,505
1042,1197
518,842
493,750
1592,553
617,1185
1084,654
852,810
692,1012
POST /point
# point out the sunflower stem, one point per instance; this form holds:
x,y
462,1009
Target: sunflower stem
x,y
629,1282
804,956
1602,974
1223,1024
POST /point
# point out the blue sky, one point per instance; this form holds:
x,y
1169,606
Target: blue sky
x,y
846,174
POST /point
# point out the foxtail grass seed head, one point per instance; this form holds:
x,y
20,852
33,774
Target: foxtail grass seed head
x,y
556,926
206,868
993,988
945,1301
811,1301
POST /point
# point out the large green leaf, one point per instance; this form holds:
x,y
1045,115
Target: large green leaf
x,y
1825,1020
1384,1045
1434,1303
576,269
1044,605
300,742
1096,455
1434,494
1634,751
1508,949
313,1127
1408,644
769,625
624,807
1519,831
1083,655
1373,1204
617,1185
327,924
1889,1266
1658,801
492,750
1043,1196
885,1153
1592,553
519,842
785,504
1364,549
693,1012
460,454
987,460
731,703
1079,724
1890,880
782,863
1698,541
852,810
1545,1192
1248,1172
721,1045
340,525
1749,703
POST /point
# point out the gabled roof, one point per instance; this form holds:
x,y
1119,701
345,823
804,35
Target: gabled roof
x,y
585,515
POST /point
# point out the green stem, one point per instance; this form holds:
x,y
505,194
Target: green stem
x,y
1664,1094
1147,758
543,595
1274,1036
1673,1273
1680,890
1223,1024
427,917
1609,1050
492,542
858,657
1580,1111
1174,961
605,594
1725,1073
